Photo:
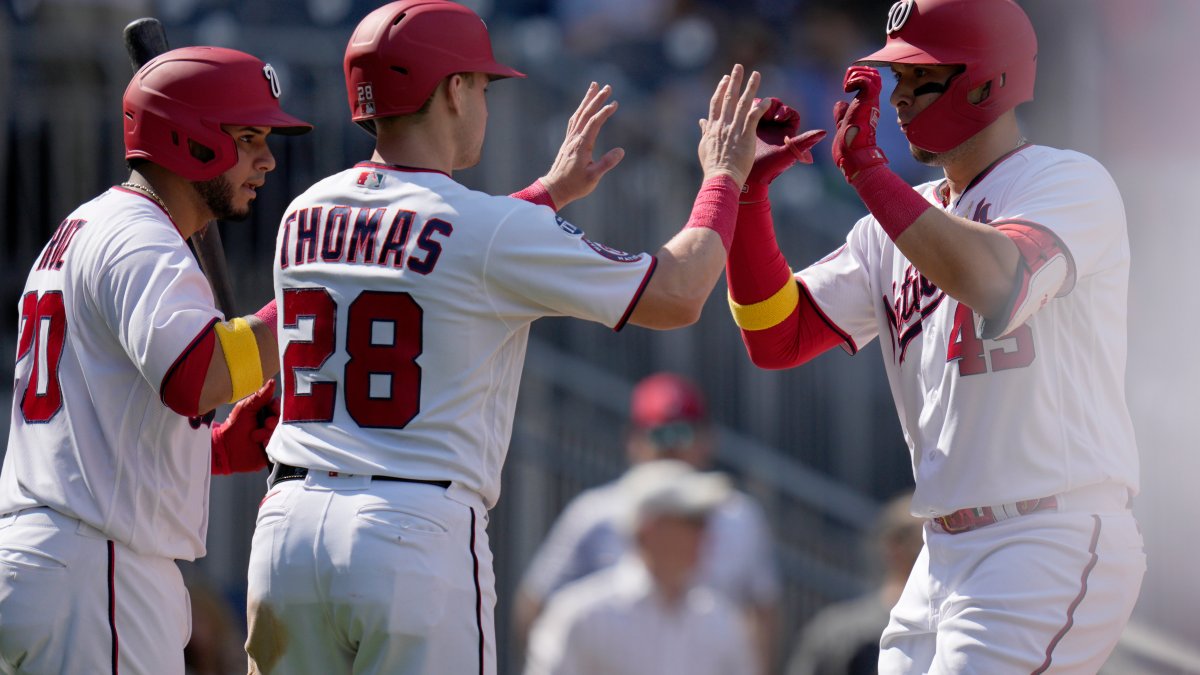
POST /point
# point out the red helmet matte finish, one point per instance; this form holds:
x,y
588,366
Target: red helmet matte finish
x,y
180,99
400,52
992,39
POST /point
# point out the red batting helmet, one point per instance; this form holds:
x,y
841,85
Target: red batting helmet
x,y
180,99
992,39
400,52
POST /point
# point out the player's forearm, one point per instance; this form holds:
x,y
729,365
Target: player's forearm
x,y
764,297
688,268
240,365
690,263
972,262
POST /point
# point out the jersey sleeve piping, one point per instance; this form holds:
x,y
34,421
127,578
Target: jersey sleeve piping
x,y
162,388
637,296
848,341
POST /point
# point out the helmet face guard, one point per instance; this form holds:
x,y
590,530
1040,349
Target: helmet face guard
x,y
992,40
175,105
400,52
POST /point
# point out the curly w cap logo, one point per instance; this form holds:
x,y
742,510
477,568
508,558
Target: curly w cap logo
x,y
898,15
273,78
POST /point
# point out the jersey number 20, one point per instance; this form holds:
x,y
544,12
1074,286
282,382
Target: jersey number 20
x,y
43,332
381,381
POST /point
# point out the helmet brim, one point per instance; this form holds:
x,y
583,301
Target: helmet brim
x,y
280,122
499,71
897,51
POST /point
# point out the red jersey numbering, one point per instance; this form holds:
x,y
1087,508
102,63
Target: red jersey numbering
x,y
965,345
43,332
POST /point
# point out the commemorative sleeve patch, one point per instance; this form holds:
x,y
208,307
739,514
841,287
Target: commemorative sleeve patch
x,y
612,253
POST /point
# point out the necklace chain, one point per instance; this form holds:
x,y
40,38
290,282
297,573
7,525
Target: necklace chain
x,y
146,190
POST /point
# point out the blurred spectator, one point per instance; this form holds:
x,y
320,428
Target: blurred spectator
x,y
668,421
82,70
843,638
645,615
215,647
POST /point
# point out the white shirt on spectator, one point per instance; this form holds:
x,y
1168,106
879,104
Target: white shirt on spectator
x,y
615,622
738,561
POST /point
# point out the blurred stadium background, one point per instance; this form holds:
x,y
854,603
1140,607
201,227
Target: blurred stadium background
x,y
820,447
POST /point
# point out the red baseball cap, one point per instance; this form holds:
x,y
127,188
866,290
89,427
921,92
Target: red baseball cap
x,y
664,398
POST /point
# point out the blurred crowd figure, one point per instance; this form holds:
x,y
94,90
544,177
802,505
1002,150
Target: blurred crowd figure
x,y
646,615
668,421
843,638
215,646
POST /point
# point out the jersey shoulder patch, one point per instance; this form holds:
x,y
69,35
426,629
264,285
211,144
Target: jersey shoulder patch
x,y
612,253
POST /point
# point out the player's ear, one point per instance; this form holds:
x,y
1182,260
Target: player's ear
x,y
456,86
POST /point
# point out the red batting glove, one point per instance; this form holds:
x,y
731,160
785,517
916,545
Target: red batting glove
x,y
853,156
777,148
239,444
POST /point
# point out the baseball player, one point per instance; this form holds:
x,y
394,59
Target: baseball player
x,y
121,359
999,296
405,301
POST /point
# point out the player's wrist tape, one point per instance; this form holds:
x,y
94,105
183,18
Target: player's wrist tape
x,y
537,193
767,313
270,316
893,202
241,356
716,208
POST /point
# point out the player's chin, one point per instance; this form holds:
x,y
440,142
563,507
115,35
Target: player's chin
x,y
237,212
924,156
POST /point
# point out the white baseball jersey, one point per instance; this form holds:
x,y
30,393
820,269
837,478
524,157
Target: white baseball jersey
x,y
1038,411
405,305
112,303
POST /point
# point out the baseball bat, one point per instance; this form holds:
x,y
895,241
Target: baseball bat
x,y
144,40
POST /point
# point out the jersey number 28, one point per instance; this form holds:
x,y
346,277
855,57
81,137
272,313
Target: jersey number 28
x,y
381,381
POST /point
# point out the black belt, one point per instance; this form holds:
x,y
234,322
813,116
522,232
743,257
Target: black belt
x,y
286,472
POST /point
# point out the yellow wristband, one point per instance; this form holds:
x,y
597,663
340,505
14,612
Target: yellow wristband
x,y
769,312
241,356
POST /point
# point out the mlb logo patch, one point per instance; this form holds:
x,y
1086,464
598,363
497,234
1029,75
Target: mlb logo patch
x,y
370,179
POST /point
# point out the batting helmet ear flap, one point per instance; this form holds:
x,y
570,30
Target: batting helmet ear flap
x,y
175,105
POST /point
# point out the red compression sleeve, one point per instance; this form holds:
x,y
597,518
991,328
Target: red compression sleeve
x,y
893,202
270,316
716,208
800,338
756,271
756,268
185,380
536,194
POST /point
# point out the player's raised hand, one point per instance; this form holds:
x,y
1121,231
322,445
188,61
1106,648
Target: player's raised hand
x,y
854,147
778,147
575,173
239,444
727,138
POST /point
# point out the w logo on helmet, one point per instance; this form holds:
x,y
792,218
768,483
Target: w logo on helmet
x,y
898,15
273,78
